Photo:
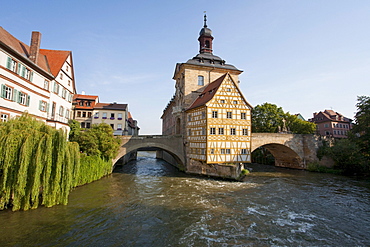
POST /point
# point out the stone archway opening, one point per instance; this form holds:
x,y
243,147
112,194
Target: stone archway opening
x,y
280,155
159,153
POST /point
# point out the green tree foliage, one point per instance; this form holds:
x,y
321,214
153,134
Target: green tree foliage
x,y
268,118
361,129
38,166
352,155
36,163
99,140
299,126
75,130
92,168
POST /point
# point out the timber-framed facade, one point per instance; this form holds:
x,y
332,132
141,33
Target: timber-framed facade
x,y
209,111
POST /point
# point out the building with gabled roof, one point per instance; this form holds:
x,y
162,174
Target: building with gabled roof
x,y
88,111
331,123
38,81
219,124
209,111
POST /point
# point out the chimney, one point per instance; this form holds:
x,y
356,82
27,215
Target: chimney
x,y
35,46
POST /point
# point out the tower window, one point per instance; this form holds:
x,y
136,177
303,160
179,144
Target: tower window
x,y
200,80
207,44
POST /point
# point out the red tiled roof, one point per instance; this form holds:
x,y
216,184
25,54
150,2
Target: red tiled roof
x,y
55,59
83,96
49,60
207,93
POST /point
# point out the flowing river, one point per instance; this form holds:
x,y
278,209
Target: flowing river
x,y
150,203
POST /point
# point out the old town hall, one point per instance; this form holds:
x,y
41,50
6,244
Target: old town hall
x,y
209,109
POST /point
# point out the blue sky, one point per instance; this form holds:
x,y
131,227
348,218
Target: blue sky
x,y
304,55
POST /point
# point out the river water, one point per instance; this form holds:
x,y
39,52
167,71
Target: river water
x,y
150,203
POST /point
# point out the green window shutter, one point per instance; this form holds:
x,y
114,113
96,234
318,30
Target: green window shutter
x,y
28,100
9,63
23,71
40,105
15,95
19,69
3,90
19,97
31,76
47,107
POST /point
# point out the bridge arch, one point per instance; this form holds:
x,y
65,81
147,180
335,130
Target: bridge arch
x,y
284,155
289,150
172,145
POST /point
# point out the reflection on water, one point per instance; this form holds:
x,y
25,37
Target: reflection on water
x,y
150,203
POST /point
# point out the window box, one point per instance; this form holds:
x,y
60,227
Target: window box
x,y
119,118
112,118
104,117
96,117
119,128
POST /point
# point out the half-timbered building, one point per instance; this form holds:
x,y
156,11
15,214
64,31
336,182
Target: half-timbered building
x,y
209,109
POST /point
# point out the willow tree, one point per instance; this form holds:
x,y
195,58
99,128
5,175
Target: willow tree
x,y
36,163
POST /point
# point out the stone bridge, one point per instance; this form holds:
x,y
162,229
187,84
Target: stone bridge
x,y
173,145
289,150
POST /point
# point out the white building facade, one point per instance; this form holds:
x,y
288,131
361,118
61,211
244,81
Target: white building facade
x,y
37,81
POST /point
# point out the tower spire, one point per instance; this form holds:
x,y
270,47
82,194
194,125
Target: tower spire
x,y
205,19
205,38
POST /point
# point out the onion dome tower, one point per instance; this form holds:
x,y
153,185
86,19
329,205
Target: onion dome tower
x,y
205,38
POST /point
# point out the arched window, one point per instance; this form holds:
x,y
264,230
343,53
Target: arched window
x,y
207,44
200,80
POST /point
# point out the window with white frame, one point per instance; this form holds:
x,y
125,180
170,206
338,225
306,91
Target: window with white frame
x,y
67,114
64,93
119,116
214,114
228,151
43,106
212,131
11,64
232,131
22,98
245,132
200,80
119,126
222,151
243,115
4,117
244,151
61,111
6,92
229,114
104,115
46,85
220,131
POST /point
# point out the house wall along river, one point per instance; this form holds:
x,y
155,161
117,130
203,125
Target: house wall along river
x,y
150,203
